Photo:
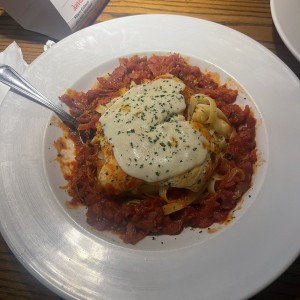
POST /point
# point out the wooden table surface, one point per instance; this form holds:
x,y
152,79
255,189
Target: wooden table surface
x,y
252,18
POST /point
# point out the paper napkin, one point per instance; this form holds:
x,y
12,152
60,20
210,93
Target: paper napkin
x,y
13,57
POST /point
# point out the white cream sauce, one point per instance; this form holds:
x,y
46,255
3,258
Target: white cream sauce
x,y
151,139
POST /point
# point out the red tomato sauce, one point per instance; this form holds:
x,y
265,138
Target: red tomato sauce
x,y
132,221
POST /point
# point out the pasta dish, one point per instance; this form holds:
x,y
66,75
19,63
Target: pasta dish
x,y
166,148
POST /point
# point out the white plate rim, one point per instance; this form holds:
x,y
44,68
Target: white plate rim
x,y
272,59
281,28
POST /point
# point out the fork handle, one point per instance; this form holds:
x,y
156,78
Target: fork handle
x,y
14,80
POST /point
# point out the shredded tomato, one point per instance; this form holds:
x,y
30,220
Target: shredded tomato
x,y
131,220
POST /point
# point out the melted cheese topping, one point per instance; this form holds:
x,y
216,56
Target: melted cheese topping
x,y
150,137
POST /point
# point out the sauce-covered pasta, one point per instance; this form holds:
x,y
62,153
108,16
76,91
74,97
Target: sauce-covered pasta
x,y
167,148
